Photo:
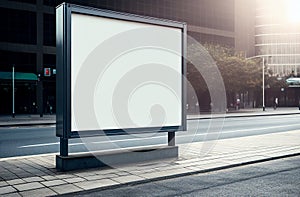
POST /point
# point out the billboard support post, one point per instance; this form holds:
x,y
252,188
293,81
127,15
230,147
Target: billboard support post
x,y
171,138
64,147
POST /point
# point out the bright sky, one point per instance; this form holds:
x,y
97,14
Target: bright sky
x,y
293,11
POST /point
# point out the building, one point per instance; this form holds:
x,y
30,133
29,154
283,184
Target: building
x,y
277,39
27,39
277,35
27,42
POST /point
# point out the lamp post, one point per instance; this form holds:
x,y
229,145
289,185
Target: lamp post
x,y
13,91
263,84
263,79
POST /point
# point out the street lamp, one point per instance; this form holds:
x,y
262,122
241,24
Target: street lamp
x,y
263,79
263,84
13,91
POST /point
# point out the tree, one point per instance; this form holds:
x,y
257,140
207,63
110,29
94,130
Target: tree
x,y
239,74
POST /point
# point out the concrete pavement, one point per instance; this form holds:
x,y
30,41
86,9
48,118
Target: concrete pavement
x,y
271,178
37,176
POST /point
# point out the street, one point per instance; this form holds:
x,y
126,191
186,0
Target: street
x,y
20,141
272,178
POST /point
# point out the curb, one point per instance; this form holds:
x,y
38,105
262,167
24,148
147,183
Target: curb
x,y
183,174
241,116
27,124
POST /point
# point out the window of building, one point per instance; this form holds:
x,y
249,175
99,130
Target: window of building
x,y
18,26
52,3
49,30
50,60
25,62
25,1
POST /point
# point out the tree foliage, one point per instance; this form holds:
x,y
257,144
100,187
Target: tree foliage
x,y
238,73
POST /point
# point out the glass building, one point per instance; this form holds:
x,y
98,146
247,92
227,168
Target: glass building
x,y
27,39
277,35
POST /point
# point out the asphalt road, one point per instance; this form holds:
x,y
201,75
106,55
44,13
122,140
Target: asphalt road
x,y
20,141
273,178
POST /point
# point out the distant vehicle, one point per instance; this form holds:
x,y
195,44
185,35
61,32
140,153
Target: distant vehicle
x,y
293,81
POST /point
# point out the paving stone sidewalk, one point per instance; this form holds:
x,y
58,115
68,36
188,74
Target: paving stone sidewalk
x,y
37,176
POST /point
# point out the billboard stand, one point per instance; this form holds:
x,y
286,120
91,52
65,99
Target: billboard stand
x,y
64,147
153,60
171,138
115,158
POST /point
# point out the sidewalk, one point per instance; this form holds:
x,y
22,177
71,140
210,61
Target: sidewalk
x,y
37,176
31,120
248,113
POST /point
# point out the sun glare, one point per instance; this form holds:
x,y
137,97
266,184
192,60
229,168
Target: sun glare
x,y
293,11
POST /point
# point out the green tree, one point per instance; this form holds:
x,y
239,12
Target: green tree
x,y
239,74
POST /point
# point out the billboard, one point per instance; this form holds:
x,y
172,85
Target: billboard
x,y
118,72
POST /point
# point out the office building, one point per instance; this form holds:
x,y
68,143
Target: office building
x,y
277,35
27,39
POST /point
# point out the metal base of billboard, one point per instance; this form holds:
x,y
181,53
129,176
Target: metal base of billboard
x,y
115,158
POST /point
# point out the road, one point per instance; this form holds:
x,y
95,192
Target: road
x,y
20,141
273,178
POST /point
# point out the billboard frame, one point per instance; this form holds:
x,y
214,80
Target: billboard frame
x,y
63,76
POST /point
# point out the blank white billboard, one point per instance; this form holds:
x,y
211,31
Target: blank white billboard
x,y
124,74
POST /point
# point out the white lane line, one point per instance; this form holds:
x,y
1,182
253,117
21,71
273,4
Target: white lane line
x,y
47,144
155,137
259,129
37,145
200,134
75,144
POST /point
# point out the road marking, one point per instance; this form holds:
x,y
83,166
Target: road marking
x,y
155,137
47,144
255,129
37,145
199,134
